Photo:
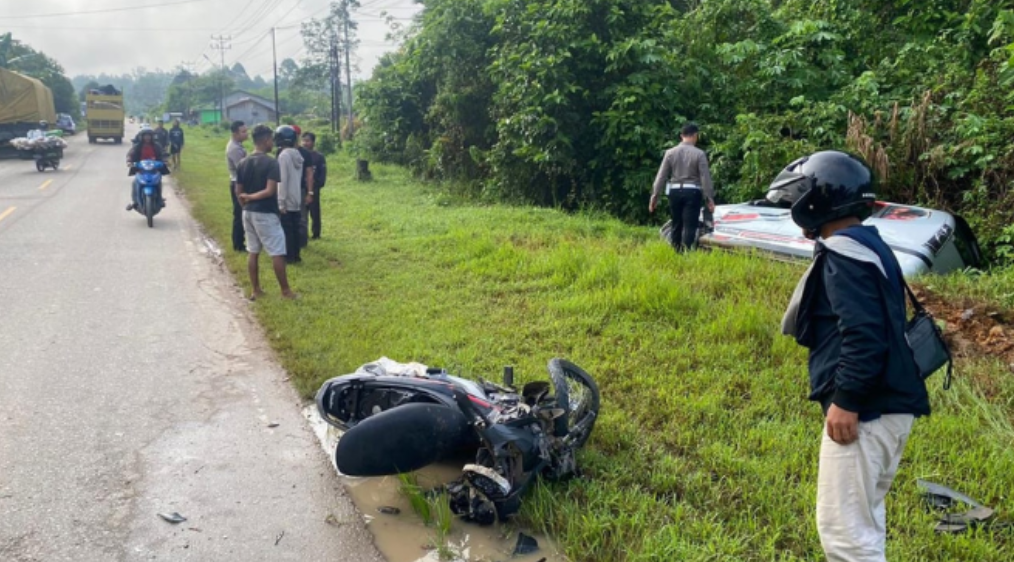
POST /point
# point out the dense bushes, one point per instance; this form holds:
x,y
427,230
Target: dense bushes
x,y
571,102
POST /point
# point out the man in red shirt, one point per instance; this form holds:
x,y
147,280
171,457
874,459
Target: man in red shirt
x,y
145,149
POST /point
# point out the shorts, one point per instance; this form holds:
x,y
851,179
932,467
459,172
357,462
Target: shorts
x,y
264,230
174,148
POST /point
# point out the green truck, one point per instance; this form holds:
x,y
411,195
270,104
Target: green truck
x,y
105,114
24,101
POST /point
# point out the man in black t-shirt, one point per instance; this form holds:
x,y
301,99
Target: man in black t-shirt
x,y
257,180
319,179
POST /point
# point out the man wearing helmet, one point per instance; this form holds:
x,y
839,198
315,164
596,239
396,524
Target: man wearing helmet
x,y
39,133
290,194
144,149
849,311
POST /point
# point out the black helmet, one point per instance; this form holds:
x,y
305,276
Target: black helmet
x,y
286,136
823,187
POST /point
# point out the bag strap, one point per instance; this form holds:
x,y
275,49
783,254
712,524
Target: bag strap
x,y
916,305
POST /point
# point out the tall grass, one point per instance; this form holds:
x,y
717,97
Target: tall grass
x,y
706,448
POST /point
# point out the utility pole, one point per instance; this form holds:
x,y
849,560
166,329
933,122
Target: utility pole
x,y
221,44
336,86
274,63
331,56
348,67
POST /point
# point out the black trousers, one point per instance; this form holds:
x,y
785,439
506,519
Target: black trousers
x,y
238,240
290,225
315,214
685,211
304,217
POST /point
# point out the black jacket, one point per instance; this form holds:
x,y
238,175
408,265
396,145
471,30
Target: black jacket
x,y
177,136
319,170
852,316
162,137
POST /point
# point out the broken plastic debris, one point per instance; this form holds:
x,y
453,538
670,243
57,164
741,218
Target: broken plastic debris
x,y
173,517
389,510
273,424
940,496
525,545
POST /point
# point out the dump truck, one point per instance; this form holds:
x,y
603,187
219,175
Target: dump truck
x,y
24,101
105,114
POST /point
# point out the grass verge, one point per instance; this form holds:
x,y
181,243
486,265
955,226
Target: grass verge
x,y
706,448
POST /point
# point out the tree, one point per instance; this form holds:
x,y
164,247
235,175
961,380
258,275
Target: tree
x,y
288,70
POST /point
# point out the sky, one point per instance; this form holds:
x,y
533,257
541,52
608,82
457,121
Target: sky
x,y
168,33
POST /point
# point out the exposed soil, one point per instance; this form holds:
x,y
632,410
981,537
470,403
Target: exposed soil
x,y
972,328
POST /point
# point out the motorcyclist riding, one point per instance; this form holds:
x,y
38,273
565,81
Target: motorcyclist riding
x,y
145,149
40,132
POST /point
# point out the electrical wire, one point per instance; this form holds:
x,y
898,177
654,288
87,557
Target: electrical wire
x,y
101,10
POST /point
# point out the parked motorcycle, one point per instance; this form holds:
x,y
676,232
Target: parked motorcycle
x,y
402,422
148,187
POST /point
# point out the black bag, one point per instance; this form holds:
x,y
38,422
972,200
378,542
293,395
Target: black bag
x,y
929,349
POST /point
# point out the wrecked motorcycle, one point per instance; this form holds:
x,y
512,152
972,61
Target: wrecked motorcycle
x,y
401,422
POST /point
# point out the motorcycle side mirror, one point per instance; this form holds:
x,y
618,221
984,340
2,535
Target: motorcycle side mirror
x,y
508,376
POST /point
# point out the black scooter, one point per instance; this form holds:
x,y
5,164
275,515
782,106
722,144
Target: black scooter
x,y
401,423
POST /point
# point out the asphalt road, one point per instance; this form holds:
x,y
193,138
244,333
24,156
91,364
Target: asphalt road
x,y
133,382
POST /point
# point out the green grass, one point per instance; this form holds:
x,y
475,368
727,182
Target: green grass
x,y
706,448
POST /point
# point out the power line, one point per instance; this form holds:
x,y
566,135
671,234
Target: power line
x,y
221,44
252,17
102,11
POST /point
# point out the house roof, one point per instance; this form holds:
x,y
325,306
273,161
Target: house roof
x,y
267,105
246,94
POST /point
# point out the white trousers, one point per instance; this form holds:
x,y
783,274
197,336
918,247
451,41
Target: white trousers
x,y
851,485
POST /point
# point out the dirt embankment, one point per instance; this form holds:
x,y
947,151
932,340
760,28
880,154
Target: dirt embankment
x,y
974,329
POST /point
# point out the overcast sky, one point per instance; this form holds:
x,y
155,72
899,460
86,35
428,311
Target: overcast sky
x,y
173,31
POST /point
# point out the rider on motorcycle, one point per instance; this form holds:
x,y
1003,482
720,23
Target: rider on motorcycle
x,y
40,132
145,149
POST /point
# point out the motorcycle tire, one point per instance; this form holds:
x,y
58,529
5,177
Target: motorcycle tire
x,y
577,393
149,210
39,165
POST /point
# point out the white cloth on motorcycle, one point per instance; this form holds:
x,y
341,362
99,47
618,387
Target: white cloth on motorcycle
x,y
385,366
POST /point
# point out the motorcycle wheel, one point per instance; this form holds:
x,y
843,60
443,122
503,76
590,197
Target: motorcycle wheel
x,y
39,165
577,393
149,210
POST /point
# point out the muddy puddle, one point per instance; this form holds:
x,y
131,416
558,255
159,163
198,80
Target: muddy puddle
x,y
403,537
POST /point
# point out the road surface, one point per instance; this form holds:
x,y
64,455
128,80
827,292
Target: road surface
x,y
132,383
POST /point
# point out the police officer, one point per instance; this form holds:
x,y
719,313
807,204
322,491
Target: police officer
x,y
849,311
685,176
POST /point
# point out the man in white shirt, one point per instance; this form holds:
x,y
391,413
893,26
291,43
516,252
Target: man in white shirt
x,y
290,189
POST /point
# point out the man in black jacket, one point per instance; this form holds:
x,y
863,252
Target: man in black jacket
x,y
849,311
319,179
